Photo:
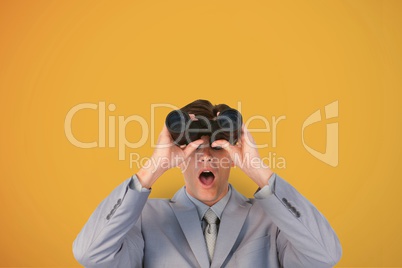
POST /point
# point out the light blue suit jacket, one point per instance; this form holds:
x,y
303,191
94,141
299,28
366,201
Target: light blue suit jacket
x,y
130,230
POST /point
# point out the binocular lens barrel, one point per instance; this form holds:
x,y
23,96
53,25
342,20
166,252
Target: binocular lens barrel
x,y
177,122
184,130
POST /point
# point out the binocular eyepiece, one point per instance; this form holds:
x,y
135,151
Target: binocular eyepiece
x,y
183,129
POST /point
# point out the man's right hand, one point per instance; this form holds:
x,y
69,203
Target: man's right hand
x,y
166,155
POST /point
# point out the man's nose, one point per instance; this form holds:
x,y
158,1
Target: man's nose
x,y
206,154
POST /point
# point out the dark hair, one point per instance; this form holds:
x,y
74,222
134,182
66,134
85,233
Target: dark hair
x,y
204,108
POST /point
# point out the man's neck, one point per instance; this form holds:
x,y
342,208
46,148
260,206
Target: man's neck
x,y
217,207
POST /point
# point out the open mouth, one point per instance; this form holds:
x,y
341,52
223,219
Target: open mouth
x,y
206,177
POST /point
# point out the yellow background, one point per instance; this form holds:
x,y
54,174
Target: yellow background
x,y
275,57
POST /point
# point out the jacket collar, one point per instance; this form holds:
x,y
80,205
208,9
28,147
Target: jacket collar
x,y
233,217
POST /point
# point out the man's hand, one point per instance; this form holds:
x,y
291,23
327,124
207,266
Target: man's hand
x,y
165,156
245,155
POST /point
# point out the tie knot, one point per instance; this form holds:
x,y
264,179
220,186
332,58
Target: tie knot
x,y
210,217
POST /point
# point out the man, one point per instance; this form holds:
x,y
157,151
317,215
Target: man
x,y
207,223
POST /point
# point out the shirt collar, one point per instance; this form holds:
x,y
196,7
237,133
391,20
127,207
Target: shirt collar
x,y
217,208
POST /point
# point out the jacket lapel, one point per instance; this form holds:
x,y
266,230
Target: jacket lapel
x,y
186,214
233,218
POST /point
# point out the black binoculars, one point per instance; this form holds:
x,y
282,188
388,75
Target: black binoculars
x,y
183,129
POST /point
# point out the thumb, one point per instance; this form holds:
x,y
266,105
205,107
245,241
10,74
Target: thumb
x,y
224,144
192,146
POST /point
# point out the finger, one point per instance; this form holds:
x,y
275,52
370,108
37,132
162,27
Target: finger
x,y
233,150
192,146
165,139
165,131
247,138
224,144
221,143
195,143
238,143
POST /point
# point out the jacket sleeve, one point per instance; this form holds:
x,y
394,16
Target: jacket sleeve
x,y
304,236
112,235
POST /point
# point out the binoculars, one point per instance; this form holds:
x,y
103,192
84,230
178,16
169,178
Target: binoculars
x,y
183,129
